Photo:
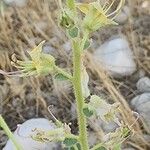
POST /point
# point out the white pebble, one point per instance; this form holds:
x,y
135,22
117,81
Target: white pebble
x,y
145,4
20,3
92,138
143,85
128,149
140,99
23,135
67,46
117,57
123,15
48,49
109,127
141,104
98,124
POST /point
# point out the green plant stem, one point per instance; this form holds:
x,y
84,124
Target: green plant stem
x,y
59,70
97,146
78,95
85,37
9,133
75,147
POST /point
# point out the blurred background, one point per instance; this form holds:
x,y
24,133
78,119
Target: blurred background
x,y
118,64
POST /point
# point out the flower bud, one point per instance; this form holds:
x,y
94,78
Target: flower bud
x,y
97,16
103,110
40,63
66,19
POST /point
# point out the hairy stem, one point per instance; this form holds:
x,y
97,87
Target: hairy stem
x,y
97,146
78,95
67,75
9,133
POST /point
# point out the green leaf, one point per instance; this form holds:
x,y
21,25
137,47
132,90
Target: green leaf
x,y
101,148
87,44
71,4
117,147
78,146
70,142
87,112
60,77
66,20
126,132
73,32
72,148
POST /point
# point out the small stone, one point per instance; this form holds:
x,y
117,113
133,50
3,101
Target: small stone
x,y
146,4
117,57
141,73
41,25
73,111
23,135
130,148
123,15
141,104
143,85
140,99
19,3
92,138
99,125
48,49
147,138
109,127
17,103
67,46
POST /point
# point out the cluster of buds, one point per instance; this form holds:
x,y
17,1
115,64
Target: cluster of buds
x,y
97,16
113,140
101,109
38,63
56,135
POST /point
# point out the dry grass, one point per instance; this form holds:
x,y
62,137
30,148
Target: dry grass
x,y
20,99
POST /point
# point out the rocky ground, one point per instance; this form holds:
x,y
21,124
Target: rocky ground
x,y
118,63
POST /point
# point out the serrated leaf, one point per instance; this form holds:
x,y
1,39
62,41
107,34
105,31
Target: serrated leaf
x,y
60,77
87,44
73,32
70,142
88,113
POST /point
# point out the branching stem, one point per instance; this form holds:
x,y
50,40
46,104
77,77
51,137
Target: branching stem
x,y
78,95
67,75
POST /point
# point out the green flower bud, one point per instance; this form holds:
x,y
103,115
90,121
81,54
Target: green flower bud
x,y
97,16
114,139
40,63
103,110
66,19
